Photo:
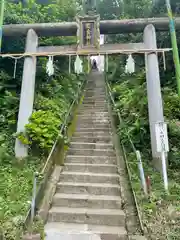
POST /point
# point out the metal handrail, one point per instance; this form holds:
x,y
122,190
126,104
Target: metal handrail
x,y
109,91
53,148
63,126
119,116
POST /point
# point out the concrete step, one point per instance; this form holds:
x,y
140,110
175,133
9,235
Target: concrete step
x,y
97,134
90,177
77,231
98,91
97,117
88,188
84,118
95,102
92,113
91,152
110,217
94,121
93,87
137,237
95,129
96,98
89,124
95,92
86,139
90,159
94,105
83,145
86,201
95,168
93,108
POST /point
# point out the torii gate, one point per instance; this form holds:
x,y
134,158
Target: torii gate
x,y
88,29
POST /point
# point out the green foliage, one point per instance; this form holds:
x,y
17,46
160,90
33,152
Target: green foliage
x,y
43,129
131,100
16,186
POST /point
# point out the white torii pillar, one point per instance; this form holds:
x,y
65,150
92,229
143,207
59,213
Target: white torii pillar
x,y
27,92
155,106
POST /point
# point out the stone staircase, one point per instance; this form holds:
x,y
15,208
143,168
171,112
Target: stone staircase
x,y
87,202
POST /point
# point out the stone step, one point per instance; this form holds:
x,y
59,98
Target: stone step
x,y
95,168
94,98
93,108
90,177
93,121
94,94
110,217
83,145
88,188
94,139
92,113
91,152
90,159
84,118
100,93
95,129
92,134
137,237
77,231
93,125
94,117
94,102
99,114
91,87
86,201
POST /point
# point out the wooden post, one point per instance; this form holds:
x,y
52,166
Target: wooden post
x,y
27,92
155,107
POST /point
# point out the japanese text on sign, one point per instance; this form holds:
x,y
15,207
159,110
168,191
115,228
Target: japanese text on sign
x,y
161,137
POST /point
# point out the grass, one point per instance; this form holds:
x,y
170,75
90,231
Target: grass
x,y
160,212
15,193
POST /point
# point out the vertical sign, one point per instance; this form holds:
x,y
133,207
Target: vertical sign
x,y
162,147
161,137
88,33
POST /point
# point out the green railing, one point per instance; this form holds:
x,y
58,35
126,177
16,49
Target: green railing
x,y
57,153
120,121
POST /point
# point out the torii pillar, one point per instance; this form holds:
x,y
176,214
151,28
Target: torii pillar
x,y
27,92
155,106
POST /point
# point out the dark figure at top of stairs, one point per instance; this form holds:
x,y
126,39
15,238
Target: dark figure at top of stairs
x,y
94,64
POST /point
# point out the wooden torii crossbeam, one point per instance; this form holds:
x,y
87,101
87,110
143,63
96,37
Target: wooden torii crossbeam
x,y
106,27
71,50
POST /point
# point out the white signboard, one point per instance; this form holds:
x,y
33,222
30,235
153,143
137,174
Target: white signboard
x,y
161,137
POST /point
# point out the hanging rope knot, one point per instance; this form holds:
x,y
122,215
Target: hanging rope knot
x,y
15,67
50,67
130,65
78,68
